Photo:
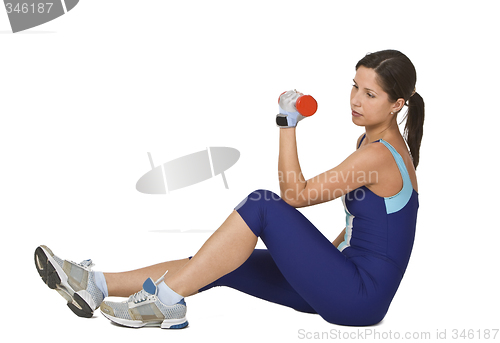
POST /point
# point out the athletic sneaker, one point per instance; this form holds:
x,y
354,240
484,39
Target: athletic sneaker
x,y
74,281
144,308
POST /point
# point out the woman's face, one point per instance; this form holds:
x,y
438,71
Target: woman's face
x,y
370,105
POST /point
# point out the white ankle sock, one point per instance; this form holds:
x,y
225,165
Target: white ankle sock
x,y
100,282
167,295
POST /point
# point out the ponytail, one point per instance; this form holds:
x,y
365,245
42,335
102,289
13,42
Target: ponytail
x,y
414,127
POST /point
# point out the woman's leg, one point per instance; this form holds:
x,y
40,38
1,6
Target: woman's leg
x,y
323,279
301,253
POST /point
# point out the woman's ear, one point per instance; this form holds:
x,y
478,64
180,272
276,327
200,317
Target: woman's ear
x,y
398,105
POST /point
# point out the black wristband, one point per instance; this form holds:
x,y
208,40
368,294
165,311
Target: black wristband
x,y
281,120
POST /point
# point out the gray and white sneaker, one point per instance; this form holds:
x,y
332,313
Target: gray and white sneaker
x,y
74,281
144,308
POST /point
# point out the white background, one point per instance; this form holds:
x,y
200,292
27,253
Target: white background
x,y
84,98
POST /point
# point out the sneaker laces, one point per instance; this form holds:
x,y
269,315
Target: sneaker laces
x,y
87,263
139,296
142,294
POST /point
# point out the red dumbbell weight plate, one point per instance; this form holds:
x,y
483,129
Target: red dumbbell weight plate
x,y
306,105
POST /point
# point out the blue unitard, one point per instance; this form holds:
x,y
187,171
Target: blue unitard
x,y
353,284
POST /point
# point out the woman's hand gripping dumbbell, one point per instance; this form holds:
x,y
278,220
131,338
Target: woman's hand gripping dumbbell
x,y
293,107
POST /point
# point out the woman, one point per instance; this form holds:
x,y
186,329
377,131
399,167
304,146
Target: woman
x,y
349,282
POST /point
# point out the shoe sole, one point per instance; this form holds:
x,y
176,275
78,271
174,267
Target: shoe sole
x,y
54,277
166,324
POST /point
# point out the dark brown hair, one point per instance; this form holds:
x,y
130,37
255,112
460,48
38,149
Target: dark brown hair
x,y
397,77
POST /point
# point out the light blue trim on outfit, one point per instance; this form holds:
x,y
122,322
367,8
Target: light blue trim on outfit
x,y
348,228
397,202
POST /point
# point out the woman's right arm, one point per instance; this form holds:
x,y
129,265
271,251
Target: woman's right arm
x,y
291,180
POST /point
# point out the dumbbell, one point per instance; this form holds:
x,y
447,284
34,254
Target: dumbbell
x,y
293,107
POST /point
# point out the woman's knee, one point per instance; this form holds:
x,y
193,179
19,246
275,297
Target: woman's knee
x,y
264,195
258,197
